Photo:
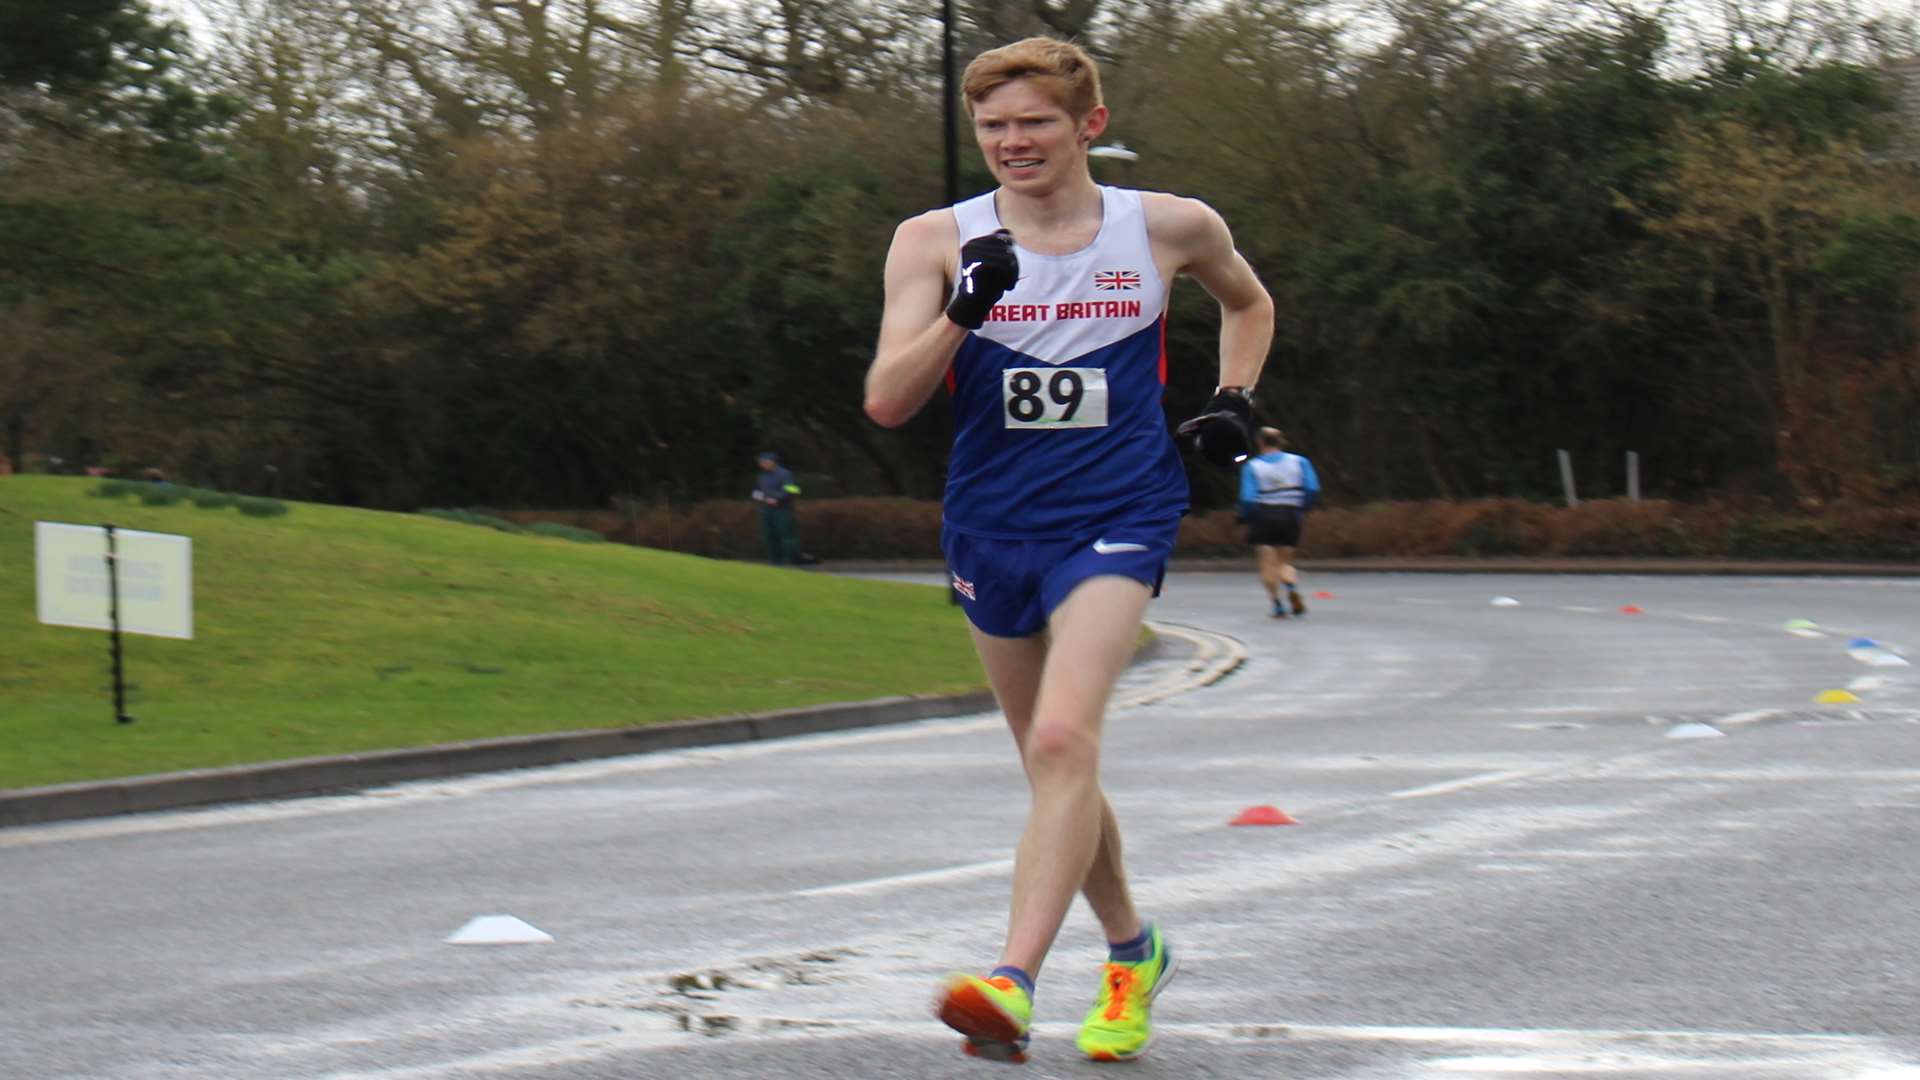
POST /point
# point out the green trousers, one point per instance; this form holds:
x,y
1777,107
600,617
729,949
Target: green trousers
x,y
782,537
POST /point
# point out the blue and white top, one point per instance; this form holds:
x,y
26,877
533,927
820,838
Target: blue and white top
x,y
1278,478
1058,427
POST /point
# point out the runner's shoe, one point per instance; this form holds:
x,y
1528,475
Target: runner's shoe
x,y
1279,610
1120,1024
994,1014
1299,605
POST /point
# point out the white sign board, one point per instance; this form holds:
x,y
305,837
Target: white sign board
x,y
155,571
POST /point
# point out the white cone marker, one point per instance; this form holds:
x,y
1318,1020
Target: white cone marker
x,y
1695,731
1505,601
498,930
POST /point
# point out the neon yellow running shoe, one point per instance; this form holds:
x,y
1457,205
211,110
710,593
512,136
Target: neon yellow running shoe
x,y
1120,1024
994,1014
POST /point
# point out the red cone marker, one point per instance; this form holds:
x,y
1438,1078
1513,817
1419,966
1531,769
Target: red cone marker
x,y
1263,815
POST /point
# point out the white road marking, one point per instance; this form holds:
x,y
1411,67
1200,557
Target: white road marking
x,y
1748,717
1545,853
1215,657
1422,1051
1449,786
924,877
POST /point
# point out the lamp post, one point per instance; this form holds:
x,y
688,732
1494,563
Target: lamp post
x,y
948,123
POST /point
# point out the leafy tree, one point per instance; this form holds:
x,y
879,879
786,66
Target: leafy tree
x,y
64,43
1777,240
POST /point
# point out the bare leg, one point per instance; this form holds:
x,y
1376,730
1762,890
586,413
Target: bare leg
x,y
1270,570
1054,691
1284,572
1106,885
1013,667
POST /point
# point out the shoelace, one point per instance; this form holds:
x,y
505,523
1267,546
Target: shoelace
x,y
1119,990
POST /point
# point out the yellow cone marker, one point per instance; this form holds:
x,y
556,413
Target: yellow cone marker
x,y
1836,697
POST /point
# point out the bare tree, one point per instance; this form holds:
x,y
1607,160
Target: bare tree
x,y
842,52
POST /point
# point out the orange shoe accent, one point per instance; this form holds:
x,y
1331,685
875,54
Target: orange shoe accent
x,y
1120,981
990,1032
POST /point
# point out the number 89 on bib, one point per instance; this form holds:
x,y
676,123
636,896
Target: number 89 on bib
x,y
1050,398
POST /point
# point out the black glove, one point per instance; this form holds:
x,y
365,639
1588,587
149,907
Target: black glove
x,y
1219,433
988,269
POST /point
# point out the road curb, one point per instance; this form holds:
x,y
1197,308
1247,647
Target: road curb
x,y
349,772
346,772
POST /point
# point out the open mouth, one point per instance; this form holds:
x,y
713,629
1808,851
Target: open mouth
x,y
1024,163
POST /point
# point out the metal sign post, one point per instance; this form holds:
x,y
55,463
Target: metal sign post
x,y
113,616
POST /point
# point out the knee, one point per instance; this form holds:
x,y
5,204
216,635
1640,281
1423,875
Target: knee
x,y
1061,750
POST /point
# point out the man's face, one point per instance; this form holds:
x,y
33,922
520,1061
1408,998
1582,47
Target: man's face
x,y
767,464
1031,144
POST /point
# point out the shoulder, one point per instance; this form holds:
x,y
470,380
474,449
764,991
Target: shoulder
x,y
924,245
1187,235
1180,219
933,230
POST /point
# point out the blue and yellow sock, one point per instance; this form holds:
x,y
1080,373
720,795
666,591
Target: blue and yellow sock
x,y
1019,976
1133,951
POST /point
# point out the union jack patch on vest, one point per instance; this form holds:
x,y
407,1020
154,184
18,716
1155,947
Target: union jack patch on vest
x,y
1110,280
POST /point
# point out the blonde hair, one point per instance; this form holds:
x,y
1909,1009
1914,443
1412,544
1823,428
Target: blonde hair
x,y
1273,438
1060,68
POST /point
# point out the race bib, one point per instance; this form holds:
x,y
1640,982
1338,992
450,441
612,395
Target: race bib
x,y
1049,398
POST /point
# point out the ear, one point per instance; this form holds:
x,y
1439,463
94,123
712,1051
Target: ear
x,y
1094,124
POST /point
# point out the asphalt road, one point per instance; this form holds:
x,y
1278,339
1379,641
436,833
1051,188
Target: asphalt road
x,y
1506,865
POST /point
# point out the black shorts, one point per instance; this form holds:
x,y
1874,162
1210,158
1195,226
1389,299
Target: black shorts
x,y
1274,526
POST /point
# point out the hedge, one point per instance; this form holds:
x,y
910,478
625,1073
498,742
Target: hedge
x,y
891,528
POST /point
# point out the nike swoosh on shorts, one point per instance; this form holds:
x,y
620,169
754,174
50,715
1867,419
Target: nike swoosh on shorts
x,y
1101,546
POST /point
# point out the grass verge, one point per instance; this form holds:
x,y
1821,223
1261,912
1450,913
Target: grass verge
x,y
333,630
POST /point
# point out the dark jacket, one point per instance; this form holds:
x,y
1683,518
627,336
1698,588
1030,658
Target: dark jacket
x,y
776,488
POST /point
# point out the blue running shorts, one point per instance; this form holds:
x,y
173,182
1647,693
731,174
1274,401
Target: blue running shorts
x,y
1009,588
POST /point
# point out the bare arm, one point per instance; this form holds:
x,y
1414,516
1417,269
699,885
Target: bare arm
x,y
1190,237
917,340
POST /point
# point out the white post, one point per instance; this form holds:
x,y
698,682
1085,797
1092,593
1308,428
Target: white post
x,y
1566,477
1633,475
